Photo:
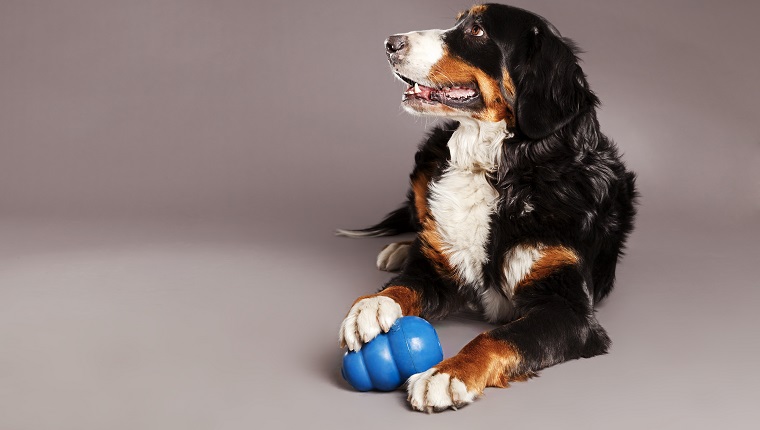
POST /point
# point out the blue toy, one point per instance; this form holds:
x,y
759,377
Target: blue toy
x,y
387,361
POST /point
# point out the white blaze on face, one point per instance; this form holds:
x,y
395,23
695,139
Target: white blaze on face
x,y
425,50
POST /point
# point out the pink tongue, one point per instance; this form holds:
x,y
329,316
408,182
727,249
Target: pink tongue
x,y
460,93
454,93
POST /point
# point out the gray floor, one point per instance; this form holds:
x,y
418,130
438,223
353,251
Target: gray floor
x,y
171,174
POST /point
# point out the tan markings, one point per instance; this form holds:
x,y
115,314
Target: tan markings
x,y
419,187
484,362
431,244
431,248
408,299
478,8
453,70
552,258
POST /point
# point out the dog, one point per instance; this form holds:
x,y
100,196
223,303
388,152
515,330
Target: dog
x,y
520,205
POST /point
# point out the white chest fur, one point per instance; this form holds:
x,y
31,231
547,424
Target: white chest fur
x,y
462,200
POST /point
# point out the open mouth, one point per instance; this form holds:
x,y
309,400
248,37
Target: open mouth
x,y
455,95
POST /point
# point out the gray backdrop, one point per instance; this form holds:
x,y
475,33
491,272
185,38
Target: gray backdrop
x,y
171,173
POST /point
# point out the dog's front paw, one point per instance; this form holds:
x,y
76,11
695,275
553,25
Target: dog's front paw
x,y
435,391
366,319
393,257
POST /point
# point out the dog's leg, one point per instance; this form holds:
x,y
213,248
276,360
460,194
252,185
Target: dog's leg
x,y
556,324
418,291
371,315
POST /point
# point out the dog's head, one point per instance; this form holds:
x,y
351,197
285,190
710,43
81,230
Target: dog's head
x,y
497,63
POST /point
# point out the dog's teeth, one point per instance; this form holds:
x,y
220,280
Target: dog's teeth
x,y
417,88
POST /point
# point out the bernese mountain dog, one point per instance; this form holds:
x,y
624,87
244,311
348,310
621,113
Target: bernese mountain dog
x,y
520,205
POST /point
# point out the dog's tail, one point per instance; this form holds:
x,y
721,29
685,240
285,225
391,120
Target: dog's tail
x,y
397,222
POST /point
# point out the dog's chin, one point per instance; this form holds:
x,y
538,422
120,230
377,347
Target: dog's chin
x,y
419,106
416,106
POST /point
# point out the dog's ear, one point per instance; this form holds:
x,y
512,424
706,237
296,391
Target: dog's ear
x,y
551,87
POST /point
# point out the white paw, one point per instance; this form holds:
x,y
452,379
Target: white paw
x,y
366,319
393,256
434,391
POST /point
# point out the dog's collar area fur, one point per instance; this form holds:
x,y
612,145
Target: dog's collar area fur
x,y
477,145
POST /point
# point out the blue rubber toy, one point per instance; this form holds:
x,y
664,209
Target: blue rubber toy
x,y
387,361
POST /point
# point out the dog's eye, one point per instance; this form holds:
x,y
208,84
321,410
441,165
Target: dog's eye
x,y
477,31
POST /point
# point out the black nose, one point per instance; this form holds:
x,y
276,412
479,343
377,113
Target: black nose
x,y
395,43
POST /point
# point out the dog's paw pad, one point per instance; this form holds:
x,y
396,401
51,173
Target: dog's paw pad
x,y
393,257
434,391
366,319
